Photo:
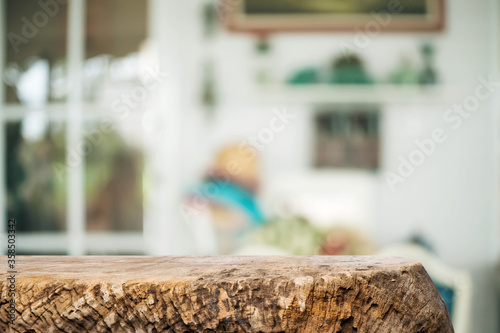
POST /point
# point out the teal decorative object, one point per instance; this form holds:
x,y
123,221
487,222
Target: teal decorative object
x,y
349,70
305,76
428,74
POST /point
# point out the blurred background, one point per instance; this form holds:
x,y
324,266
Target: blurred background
x,y
197,127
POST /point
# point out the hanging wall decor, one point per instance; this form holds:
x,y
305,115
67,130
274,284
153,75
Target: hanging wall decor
x,y
347,137
370,16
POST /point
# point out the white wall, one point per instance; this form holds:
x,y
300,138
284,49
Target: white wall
x,y
452,198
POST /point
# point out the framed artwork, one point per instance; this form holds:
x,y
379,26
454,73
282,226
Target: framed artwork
x,y
266,16
347,138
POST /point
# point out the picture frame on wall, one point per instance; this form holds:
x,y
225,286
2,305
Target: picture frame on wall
x,y
268,16
347,137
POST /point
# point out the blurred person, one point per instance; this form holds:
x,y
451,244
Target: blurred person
x,y
229,204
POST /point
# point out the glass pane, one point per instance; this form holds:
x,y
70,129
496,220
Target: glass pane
x,y
36,177
36,51
115,36
114,167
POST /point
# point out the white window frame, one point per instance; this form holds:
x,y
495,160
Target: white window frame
x,y
3,186
160,228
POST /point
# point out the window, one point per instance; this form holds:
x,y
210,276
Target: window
x,y
73,153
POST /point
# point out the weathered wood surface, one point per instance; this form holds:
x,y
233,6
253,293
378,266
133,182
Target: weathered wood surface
x,y
223,294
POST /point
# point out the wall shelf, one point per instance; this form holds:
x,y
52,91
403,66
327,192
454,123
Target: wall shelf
x,y
358,94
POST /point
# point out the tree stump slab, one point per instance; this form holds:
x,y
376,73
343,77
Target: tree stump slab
x,y
222,294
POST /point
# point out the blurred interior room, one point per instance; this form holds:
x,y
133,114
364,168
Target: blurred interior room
x,y
252,127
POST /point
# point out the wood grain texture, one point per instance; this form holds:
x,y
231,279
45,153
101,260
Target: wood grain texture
x,y
223,294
